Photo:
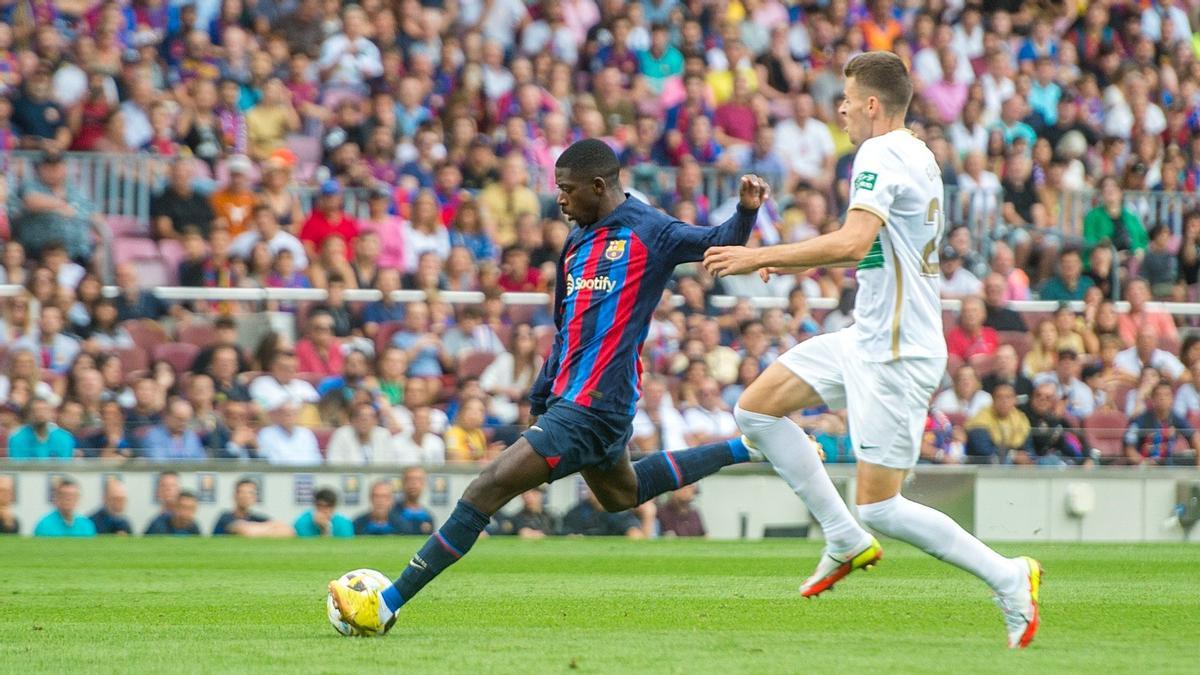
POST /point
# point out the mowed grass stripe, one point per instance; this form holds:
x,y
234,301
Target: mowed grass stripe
x,y
226,605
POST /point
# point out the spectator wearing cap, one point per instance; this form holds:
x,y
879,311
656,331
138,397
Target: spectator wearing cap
x,y
63,521
1153,437
51,209
321,520
266,228
1079,400
1068,283
1050,440
998,430
387,227
179,206
957,281
1146,354
971,336
41,438
233,203
285,442
328,219
173,439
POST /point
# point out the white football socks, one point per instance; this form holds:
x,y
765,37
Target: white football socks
x,y
938,535
795,459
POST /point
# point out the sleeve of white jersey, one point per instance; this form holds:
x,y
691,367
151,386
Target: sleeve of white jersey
x,y
872,186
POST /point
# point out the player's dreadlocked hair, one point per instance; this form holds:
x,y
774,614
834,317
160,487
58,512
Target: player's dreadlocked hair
x,y
591,157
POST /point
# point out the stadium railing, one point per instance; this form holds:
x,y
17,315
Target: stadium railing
x,y
122,185
354,296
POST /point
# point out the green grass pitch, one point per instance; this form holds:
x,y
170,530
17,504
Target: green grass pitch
x,y
590,606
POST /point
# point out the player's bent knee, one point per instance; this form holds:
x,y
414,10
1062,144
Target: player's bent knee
x,y
615,502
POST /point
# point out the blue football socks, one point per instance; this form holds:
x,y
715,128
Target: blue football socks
x,y
443,549
666,471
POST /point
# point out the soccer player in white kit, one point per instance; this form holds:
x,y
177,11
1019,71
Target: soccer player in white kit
x,y
885,367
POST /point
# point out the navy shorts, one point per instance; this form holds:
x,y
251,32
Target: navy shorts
x,y
572,438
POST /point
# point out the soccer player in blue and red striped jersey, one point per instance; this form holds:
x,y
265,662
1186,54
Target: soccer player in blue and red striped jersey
x,y
611,275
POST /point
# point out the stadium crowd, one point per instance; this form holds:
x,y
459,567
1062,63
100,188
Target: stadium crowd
x,y
395,507
444,119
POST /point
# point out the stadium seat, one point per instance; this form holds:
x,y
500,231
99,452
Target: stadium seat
x,y
146,334
312,378
383,337
152,272
521,313
1020,340
179,354
200,334
131,249
1170,344
126,226
132,359
545,339
221,175
1105,431
503,333
983,364
172,254
472,364
323,435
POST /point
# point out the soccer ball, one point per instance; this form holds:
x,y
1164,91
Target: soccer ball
x,y
359,580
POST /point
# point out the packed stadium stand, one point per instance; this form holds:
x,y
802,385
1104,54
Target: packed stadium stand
x,y
302,231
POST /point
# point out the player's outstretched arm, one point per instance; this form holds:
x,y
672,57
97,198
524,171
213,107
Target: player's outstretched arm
x,y
687,243
847,245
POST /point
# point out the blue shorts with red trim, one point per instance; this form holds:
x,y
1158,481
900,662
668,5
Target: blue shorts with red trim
x,y
572,438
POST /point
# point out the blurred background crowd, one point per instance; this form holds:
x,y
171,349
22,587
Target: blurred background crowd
x,y
329,152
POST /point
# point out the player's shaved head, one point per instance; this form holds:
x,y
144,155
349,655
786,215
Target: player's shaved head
x,y
588,175
884,76
590,158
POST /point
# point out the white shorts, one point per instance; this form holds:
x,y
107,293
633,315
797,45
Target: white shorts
x,y
886,402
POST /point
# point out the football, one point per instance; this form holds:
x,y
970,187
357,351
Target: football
x,y
362,580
